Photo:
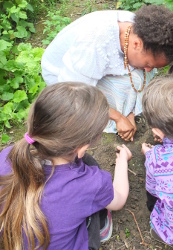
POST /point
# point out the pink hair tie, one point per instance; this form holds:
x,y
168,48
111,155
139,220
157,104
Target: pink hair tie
x,y
29,139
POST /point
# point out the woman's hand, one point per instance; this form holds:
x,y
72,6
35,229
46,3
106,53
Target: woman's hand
x,y
131,118
125,128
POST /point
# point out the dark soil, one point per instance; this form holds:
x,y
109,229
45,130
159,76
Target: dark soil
x,y
131,228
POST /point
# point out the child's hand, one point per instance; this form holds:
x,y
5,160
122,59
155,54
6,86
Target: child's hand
x,y
157,138
124,153
145,147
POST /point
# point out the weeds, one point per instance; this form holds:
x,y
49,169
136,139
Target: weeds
x,y
53,25
133,5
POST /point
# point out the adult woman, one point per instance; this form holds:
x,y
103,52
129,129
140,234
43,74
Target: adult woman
x,y
102,45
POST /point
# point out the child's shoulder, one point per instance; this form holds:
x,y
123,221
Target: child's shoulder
x,y
4,152
4,163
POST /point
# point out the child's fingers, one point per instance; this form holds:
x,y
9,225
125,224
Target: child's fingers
x,y
127,153
121,147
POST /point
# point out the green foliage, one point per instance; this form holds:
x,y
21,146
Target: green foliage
x,y
13,20
53,25
40,7
43,6
89,7
64,5
20,70
20,81
127,232
20,78
5,138
169,4
163,71
133,5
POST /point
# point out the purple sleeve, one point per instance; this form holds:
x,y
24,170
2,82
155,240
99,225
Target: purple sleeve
x,y
150,162
105,194
5,167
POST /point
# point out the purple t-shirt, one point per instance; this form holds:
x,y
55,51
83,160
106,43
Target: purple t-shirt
x,y
74,192
159,182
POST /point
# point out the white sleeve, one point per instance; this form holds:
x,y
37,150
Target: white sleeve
x,y
83,63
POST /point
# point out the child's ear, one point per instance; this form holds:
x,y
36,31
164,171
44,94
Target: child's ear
x,y
81,151
158,132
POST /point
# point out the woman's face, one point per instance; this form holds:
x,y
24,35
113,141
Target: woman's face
x,y
142,59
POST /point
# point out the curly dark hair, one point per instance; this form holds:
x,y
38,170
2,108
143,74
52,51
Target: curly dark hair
x,y
154,25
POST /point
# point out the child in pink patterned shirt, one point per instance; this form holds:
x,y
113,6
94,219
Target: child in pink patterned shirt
x,y
158,109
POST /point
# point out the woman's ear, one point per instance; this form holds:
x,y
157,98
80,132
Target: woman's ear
x,y
158,132
81,151
137,44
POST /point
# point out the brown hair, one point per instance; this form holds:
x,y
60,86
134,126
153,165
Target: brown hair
x,y
157,104
154,25
64,117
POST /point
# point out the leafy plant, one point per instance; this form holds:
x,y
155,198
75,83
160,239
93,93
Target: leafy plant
x,y
41,7
20,78
20,82
169,4
13,19
133,5
89,7
127,232
53,25
64,7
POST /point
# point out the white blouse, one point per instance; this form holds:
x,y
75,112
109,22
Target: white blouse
x,y
87,49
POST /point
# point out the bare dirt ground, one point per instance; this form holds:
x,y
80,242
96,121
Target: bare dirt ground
x,y
131,228
131,224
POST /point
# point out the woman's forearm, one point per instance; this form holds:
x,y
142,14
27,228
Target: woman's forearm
x,y
114,114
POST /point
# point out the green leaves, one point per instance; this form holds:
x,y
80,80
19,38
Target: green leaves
x,y
4,45
133,5
8,108
19,96
15,83
20,70
53,25
13,19
7,96
20,82
5,138
21,32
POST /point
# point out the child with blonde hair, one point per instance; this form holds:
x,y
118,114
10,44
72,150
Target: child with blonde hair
x,y
49,188
158,109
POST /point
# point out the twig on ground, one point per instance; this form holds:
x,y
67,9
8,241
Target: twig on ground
x,y
131,171
143,242
159,247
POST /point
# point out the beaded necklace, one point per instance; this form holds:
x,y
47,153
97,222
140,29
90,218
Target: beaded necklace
x,y
126,64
